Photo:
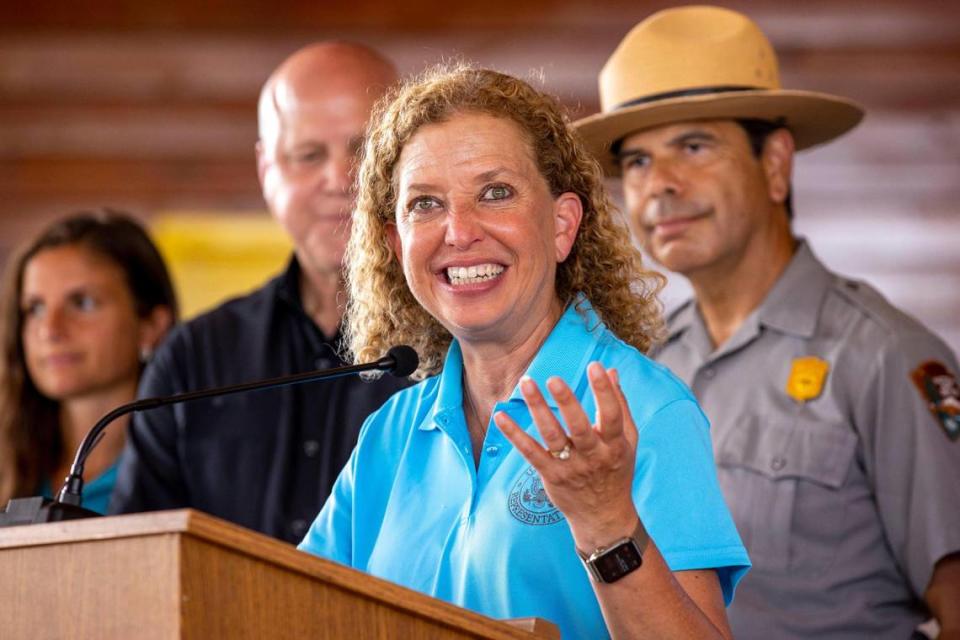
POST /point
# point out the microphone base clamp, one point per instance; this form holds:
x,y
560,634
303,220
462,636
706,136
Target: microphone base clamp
x,y
38,509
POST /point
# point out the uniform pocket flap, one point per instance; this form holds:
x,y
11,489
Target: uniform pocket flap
x,y
808,450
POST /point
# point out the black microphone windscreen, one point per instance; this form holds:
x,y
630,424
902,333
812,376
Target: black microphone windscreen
x,y
405,360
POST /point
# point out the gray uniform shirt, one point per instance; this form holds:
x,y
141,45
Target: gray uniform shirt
x,y
845,490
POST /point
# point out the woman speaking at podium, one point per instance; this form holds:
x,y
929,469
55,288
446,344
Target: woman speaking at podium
x,y
544,466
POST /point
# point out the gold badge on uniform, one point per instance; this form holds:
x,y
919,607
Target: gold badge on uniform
x,y
941,392
807,376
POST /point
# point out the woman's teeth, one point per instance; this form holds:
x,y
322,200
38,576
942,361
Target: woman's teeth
x,y
473,274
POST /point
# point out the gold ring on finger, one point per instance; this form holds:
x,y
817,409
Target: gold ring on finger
x,y
563,454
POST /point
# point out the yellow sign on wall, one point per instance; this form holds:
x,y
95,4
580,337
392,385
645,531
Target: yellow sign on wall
x,y
216,256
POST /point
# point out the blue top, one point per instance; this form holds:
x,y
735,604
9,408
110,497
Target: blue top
x,y
96,493
412,508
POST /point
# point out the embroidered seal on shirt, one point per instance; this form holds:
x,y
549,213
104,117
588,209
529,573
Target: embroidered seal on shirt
x,y
528,501
807,376
940,391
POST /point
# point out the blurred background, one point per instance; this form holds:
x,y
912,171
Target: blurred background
x,y
151,107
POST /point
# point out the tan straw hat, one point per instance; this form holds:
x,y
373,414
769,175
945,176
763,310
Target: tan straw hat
x,y
699,63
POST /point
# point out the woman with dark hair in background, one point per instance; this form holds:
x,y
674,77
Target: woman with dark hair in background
x,y
84,305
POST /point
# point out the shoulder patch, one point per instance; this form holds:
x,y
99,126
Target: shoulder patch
x,y
939,389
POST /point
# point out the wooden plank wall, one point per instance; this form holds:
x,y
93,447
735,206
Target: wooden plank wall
x,y
151,107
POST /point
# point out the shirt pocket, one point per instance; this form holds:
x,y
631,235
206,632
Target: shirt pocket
x,y
784,484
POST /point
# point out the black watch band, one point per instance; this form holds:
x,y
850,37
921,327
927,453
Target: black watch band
x,y
610,563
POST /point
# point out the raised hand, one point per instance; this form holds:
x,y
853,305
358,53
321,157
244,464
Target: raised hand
x,y
587,471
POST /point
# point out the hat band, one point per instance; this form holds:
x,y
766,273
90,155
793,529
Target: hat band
x,y
684,93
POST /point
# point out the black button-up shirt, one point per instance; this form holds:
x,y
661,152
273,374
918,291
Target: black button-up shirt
x,y
267,459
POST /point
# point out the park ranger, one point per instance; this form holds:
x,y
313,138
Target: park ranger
x,y
835,416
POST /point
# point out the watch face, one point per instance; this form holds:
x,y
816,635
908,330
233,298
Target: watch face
x,y
618,561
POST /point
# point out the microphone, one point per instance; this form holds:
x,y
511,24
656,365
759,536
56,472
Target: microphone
x,y
404,361
400,361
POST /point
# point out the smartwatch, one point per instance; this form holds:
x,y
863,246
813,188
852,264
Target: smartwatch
x,y
610,563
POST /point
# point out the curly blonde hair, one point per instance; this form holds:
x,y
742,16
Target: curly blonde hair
x,y
603,265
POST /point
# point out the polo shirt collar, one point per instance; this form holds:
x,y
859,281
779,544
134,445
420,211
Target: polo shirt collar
x,y
449,387
567,350
565,353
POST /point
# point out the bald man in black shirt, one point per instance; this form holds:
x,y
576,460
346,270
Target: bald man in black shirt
x,y
267,459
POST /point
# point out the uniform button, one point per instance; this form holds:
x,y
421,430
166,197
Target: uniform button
x,y
709,373
493,451
298,527
323,363
311,448
778,463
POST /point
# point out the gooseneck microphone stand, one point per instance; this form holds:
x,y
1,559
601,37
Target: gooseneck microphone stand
x,y
400,361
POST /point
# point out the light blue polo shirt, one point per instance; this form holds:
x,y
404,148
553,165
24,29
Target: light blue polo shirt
x,y
411,507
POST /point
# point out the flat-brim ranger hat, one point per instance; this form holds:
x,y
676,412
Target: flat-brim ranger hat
x,y
703,63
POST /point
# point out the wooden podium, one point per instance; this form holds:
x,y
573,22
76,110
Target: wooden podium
x,y
184,574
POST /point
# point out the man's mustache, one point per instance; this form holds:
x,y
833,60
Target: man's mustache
x,y
669,208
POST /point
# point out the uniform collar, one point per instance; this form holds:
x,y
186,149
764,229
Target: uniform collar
x,y
681,319
791,306
565,353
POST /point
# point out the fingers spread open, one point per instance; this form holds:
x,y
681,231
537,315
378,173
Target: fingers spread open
x,y
549,427
578,423
609,410
527,446
629,426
